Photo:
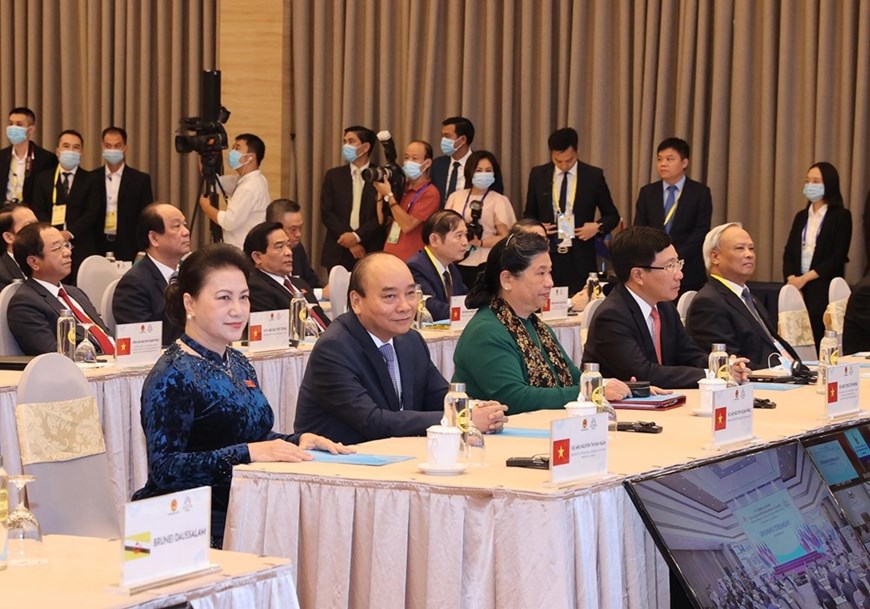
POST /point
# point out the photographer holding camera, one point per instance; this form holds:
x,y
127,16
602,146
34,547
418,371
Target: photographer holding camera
x,y
488,214
419,201
247,192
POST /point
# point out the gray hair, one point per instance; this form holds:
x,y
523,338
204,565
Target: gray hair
x,y
711,241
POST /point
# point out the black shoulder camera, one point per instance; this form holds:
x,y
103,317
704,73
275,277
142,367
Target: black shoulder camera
x,y
475,230
389,171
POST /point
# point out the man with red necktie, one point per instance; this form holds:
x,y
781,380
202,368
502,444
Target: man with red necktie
x,y
45,256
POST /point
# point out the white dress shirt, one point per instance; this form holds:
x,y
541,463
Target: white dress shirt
x,y
248,200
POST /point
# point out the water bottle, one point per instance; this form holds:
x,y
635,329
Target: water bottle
x,y
593,287
4,514
455,402
298,316
110,256
66,334
829,353
718,363
421,306
592,390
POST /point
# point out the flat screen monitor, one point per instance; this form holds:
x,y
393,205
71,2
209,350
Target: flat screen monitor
x,y
757,530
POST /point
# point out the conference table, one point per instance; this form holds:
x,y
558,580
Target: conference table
x,y
391,536
118,392
84,572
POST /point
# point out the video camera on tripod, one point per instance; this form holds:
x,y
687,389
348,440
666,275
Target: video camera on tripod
x,y
390,171
209,140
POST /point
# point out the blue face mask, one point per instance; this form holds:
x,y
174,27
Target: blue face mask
x,y
348,153
234,159
447,146
814,192
113,156
16,133
483,180
69,159
412,169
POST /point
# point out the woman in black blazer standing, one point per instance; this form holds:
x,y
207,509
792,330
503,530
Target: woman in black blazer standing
x,y
818,244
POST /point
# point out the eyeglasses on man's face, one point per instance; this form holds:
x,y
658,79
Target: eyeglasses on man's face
x,y
671,268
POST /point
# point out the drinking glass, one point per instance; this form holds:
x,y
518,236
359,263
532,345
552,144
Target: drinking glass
x,y
25,534
474,444
86,353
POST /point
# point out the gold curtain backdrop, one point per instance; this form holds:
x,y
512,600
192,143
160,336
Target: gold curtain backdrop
x,y
760,89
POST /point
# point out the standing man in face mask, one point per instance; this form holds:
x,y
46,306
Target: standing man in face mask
x,y
67,197
247,192
23,160
125,192
448,171
348,204
419,201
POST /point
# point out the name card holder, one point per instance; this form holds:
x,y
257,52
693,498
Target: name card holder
x,y
843,391
138,344
460,315
733,418
578,448
557,305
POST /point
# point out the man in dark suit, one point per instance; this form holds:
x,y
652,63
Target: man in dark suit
x,y
23,160
43,253
369,376
271,284
434,267
724,310
13,217
124,192
348,204
680,206
289,214
636,331
68,198
568,189
448,171
139,296
856,324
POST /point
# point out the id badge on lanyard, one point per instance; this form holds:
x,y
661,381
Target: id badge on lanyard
x,y
395,231
566,227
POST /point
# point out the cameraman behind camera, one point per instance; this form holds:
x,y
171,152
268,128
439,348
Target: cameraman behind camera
x,y
419,201
247,192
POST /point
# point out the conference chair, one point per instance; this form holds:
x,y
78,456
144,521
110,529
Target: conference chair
x,y
684,303
8,344
94,276
106,306
794,322
586,318
838,297
62,445
339,280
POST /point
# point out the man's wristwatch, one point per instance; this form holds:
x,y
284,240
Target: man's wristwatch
x,y
390,199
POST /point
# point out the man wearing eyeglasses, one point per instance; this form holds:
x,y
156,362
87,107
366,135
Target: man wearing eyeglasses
x,y
45,256
637,330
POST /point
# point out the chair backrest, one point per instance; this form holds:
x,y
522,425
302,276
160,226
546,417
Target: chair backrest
x,y
95,275
794,322
838,289
106,306
684,303
73,495
8,344
586,318
339,280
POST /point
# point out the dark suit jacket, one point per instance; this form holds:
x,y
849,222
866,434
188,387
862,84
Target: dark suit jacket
x,y
718,315
43,160
440,176
134,195
83,217
690,226
33,313
268,295
573,268
829,259
301,267
619,340
427,276
347,395
8,270
139,297
336,201
856,326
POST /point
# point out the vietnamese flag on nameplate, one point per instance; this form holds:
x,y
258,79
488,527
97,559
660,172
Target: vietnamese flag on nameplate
x,y
721,419
561,452
124,346
833,391
454,314
255,334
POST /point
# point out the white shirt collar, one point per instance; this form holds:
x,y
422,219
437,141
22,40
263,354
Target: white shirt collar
x,y
734,287
354,167
52,288
817,215
379,343
438,265
72,171
461,160
119,173
571,172
277,278
645,308
164,270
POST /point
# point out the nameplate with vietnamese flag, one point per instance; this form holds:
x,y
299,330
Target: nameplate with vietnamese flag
x,y
269,330
138,344
460,315
732,415
557,304
842,395
578,447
